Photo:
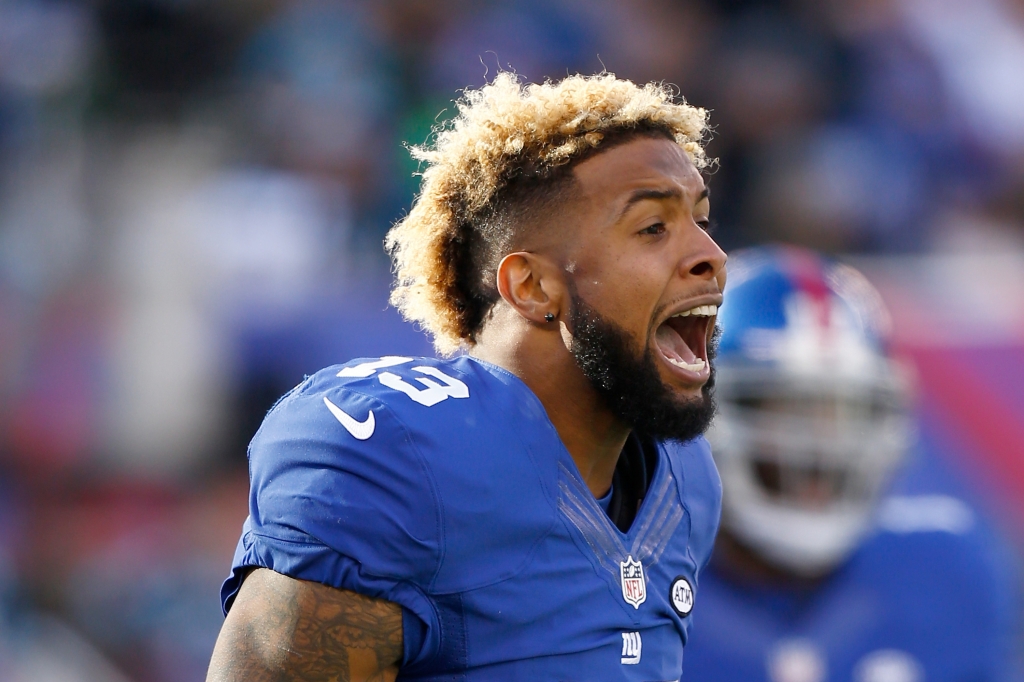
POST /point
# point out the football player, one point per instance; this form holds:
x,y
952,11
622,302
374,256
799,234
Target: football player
x,y
821,572
539,507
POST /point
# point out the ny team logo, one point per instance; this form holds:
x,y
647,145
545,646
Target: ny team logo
x,y
634,587
632,646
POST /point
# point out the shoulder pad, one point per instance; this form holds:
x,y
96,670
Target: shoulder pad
x,y
335,461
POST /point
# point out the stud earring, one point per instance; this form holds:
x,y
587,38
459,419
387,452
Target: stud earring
x,y
550,317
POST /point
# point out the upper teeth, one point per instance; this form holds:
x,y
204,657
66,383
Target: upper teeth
x,y
701,311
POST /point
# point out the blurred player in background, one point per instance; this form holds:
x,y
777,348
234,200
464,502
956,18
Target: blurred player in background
x,y
540,508
818,574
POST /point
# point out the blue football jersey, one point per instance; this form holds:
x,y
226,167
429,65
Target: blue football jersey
x,y
442,486
924,599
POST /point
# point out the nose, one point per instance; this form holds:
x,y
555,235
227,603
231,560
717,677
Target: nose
x,y
704,258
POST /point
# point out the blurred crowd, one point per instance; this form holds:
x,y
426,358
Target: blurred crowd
x,y
193,195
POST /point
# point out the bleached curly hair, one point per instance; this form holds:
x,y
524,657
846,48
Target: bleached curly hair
x,y
505,153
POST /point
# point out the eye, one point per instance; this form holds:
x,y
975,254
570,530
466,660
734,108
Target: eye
x,y
707,225
656,228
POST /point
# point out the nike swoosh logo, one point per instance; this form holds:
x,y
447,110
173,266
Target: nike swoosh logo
x,y
360,430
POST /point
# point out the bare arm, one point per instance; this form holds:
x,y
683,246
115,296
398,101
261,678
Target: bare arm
x,y
281,629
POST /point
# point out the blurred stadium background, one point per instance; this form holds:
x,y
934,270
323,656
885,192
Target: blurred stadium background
x,y
193,195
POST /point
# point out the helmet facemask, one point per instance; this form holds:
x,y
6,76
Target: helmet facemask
x,y
804,456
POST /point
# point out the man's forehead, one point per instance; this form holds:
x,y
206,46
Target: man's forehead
x,y
644,163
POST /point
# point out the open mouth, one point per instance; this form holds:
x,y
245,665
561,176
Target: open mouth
x,y
683,339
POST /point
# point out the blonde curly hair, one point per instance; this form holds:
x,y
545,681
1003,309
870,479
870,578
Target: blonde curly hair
x,y
508,145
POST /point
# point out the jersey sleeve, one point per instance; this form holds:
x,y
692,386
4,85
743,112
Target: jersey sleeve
x,y
340,496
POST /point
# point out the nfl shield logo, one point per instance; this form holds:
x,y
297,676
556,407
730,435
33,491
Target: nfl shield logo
x,y
634,587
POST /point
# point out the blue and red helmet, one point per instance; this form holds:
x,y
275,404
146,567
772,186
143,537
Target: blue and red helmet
x,y
812,409
790,305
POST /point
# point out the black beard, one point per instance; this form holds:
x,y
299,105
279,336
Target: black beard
x,y
631,385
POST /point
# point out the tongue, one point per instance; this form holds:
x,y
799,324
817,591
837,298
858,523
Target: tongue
x,y
672,345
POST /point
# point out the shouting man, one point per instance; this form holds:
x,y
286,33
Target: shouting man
x,y
540,507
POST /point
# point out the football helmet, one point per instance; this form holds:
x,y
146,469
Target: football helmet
x,y
813,412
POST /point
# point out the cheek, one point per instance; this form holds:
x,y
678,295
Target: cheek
x,y
625,289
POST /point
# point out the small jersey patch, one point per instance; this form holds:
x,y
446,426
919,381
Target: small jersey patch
x,y
634,587
632,647
681,596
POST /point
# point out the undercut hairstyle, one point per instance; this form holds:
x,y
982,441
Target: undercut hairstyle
x,y
502,164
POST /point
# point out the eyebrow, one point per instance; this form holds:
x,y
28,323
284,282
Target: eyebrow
x,y
658,194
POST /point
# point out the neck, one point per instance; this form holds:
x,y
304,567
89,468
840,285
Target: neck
x,y
591,433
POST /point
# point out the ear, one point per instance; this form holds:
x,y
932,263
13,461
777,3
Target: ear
x,y
532,285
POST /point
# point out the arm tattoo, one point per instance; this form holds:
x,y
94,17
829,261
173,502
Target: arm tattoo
x,y
281,629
